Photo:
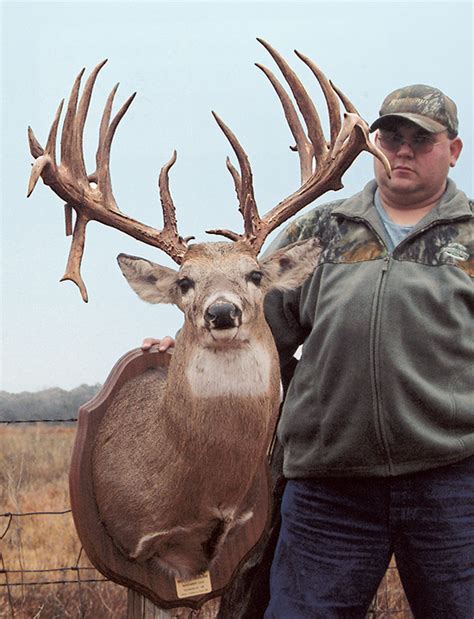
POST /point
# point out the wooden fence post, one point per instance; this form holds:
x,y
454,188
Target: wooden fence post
x,y
140,607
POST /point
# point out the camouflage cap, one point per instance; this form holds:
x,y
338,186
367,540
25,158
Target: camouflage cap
x,y
423,105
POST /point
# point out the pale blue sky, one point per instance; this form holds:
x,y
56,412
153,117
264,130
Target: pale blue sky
x,y
184,59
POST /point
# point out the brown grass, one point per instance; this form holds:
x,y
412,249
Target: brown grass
x,y
390,601
34,464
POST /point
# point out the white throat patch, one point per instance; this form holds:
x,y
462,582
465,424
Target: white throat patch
x,y
236,371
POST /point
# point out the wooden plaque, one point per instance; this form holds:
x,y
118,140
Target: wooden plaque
x,y
145,578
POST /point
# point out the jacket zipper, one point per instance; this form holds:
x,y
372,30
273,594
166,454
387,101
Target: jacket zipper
x,y
374,344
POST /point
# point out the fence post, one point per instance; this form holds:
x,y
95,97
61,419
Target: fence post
x,y
140,607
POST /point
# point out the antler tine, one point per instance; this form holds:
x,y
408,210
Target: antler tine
x,y
68,139
348,105
44,157
176,245
304,102
169,211
104,182
233,236
303,145
237,181
355,125
104,125
246,195
80,118
73,267
36,170
330,95
53,134
35,147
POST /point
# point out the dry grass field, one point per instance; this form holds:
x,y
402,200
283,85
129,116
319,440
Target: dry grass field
x,y
34,463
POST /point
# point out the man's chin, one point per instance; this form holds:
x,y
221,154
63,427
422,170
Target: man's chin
x,y
400,186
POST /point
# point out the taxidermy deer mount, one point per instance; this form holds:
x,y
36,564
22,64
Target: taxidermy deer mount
x,y
196,439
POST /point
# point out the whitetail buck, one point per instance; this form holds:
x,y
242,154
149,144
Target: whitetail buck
x,y
175,460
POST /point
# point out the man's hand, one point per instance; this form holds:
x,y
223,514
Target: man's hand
x,y
163,345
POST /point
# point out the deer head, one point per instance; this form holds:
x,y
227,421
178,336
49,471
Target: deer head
x,y
220,286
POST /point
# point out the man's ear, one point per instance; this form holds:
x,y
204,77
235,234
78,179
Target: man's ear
x,y
152,282
290,266
455,149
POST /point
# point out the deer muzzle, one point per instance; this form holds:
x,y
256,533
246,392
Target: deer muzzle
x,y
223,315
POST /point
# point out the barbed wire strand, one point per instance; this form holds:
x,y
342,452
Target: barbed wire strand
x,y
10,518
11,515
58,512
53,569
13,421
9,593
55,582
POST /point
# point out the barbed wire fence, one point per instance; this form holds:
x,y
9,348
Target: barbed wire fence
x,y
389,602
26,579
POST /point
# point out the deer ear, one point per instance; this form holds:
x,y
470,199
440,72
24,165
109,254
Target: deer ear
x,y
289,267
152,282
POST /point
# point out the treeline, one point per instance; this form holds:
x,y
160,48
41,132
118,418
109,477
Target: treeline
x,y
52,403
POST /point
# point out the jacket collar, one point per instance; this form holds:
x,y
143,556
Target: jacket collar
x,y
361,207
454,204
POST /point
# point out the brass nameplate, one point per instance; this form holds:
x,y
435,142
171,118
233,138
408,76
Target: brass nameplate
x,y
195,586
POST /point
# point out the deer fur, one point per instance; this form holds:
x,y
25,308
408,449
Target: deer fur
x,y
176,456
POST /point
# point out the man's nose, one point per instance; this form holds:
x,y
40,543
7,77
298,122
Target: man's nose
x,y
405,149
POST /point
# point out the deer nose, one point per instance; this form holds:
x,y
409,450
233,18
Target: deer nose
x,y
223,315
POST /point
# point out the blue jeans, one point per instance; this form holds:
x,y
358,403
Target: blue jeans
x,y
338,534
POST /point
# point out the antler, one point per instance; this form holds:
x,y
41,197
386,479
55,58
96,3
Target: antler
x,y
322,163
91,195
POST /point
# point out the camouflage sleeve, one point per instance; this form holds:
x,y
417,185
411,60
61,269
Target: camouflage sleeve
x,y
317,222
282,314
301,228
282,309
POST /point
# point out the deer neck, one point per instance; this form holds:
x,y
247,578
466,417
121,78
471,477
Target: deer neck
x,y
248,370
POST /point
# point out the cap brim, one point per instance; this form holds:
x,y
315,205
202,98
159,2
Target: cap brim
x,y
422,121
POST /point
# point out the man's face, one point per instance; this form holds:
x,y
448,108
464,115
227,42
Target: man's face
x,y
420,162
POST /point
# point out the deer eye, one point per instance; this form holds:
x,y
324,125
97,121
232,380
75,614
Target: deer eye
x,y
255,277
185,284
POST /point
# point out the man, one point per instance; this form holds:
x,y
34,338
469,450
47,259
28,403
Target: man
x,y
377,425
378,422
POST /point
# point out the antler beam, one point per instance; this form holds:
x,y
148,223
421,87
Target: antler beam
x,y
91,195
322,163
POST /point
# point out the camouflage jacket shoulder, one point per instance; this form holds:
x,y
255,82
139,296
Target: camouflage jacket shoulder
x,y
336,225
317,222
